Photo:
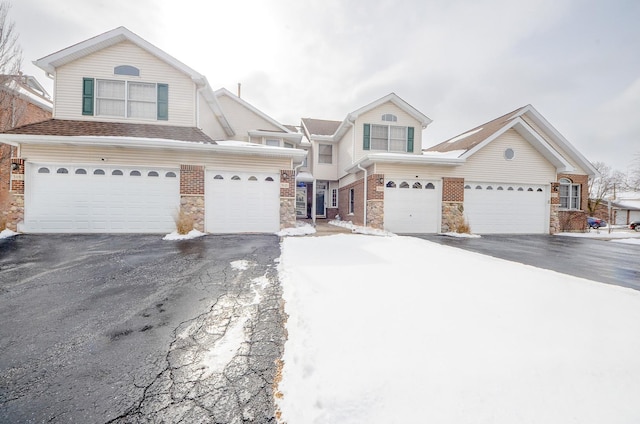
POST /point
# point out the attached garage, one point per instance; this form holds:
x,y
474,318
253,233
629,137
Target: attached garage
x,y
412,206
242,202
63,198
492,208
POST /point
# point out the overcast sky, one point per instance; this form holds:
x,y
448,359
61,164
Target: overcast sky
x,y
461,63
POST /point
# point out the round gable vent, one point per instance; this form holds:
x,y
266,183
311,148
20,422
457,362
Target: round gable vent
x,y
509,154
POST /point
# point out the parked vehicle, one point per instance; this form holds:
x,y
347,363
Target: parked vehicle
x,y
635,225
594,222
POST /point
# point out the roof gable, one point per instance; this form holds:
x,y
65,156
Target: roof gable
x,y
51,62
395,99
321,127
475,139
224,92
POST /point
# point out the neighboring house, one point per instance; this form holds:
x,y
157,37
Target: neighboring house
x,y
515,174
625,208
137,137
22,101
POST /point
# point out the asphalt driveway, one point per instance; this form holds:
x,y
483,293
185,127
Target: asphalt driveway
x,y
131,328
597,260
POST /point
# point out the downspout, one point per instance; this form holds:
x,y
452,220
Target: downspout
x,y
365,193
295,181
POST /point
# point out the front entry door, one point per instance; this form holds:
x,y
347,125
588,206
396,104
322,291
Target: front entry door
x,y
320,196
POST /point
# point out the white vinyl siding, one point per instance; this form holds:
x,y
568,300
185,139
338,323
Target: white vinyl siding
x,y
374,116
488,164
155,157
101,64
244,119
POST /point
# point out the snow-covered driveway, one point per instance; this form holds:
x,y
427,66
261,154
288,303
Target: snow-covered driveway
x,y
399,329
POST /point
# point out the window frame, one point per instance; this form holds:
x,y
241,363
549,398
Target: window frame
x,y
334,197
127,100
372,134
324,157
352,200
569,194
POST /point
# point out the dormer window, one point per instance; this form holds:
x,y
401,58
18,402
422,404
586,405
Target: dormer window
x,y
388,117
125,99
126,70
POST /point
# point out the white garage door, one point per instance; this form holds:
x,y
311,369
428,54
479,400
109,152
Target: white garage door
x,y
241,202
412,206
93,199
506,208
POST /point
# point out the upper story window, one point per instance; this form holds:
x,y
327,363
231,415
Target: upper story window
x,y
125,99
388,138
272,142
388,117
569,194
325,153
126,70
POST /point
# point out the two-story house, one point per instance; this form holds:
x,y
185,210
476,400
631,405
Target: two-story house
x,y
23,100
514,174
137,137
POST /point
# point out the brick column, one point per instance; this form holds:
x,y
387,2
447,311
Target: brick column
x,y
287,198
12,203
452,204
192,195
554,219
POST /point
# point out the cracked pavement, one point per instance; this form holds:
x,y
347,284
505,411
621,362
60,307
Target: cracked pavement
x,y
133,329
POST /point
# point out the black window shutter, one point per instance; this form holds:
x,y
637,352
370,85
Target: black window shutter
x,y
410,139
87,96
163,102
366,142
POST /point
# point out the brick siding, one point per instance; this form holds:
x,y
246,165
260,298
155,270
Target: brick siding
x,y
575,220
343,202
452,189
192,179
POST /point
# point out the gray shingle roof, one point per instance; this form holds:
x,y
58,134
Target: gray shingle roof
x,y
71,128
320,126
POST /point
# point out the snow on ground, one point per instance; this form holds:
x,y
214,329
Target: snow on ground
x,y
301,229
628,241
604,234
461,235
6,233
401,330
190,235
359,229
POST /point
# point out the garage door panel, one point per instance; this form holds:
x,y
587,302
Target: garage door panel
x,y
94,203
244,204
414,209
506,208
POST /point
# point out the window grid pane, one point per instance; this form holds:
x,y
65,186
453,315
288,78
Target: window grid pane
x,y
379,137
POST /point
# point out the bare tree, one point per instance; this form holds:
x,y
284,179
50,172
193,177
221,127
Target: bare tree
x,y
606,185
10,64
10,50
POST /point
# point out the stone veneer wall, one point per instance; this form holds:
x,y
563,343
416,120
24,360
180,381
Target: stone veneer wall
x,y
193,207
554,217
12,207
287,198
375,201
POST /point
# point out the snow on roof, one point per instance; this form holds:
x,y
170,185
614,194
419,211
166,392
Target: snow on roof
x,y
465,135
449,154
